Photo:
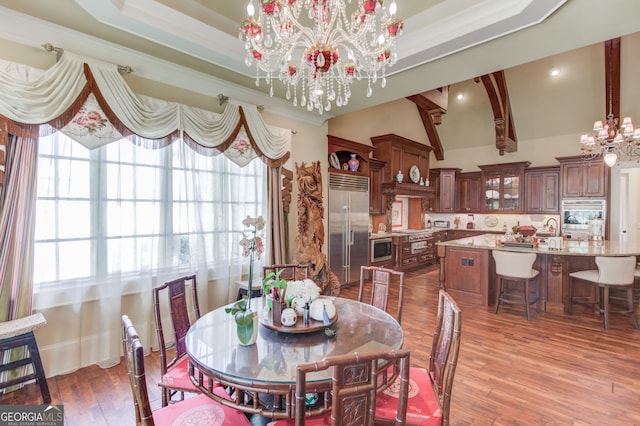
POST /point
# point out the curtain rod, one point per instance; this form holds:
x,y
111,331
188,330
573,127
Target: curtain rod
x,y
124,69
222,99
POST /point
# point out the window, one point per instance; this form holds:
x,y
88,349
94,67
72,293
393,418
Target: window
x,y
120,209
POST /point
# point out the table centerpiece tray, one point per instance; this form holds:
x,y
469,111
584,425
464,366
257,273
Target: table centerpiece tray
x,y
299,327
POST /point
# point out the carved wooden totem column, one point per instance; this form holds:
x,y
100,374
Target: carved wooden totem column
x,y
311,230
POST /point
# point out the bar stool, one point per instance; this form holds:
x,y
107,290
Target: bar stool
x,y
516,268
612,273
19,333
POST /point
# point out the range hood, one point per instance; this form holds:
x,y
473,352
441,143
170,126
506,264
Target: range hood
x,y
410,190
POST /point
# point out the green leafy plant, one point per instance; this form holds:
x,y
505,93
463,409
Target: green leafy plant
x,y
273,280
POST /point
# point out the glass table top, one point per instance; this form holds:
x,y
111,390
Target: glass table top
x,y
212,342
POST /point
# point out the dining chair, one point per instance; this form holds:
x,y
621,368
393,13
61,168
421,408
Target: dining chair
x,y
429,399
612,273
355,382
199,409
290,271
516,268
174,373
381,280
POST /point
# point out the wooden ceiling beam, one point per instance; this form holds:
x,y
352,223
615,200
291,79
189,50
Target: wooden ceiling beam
x,y
432,105
496,87
430,127
612,77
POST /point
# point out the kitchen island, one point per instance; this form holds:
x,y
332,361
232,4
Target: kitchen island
x,y
467,269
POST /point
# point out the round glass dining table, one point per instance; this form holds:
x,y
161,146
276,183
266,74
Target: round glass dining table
x,y
262,376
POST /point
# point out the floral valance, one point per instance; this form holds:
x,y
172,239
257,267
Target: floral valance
x,y
89,101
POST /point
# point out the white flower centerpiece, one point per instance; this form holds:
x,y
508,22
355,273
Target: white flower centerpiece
x,y
301,292
252,246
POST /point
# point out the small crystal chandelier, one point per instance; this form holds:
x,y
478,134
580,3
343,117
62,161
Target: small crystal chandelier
x,y
611,140
323,50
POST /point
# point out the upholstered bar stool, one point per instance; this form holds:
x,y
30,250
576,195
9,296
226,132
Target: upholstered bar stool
x,y
612,273
517,268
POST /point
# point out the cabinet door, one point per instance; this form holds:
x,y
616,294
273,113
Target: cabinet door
x,y
584,179
376,177
503,193
541,192
468,192
511,195
595,179
447,192
571,174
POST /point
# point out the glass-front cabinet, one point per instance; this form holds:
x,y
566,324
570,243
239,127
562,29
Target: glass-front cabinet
x,y
503,187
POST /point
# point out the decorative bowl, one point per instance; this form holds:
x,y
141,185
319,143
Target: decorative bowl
x,y
525,231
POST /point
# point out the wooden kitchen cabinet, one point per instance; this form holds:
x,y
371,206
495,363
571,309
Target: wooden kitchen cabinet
x,y
580,178
542,190
443,180
468,192
401,154
410,257
342,149
376,200
503,187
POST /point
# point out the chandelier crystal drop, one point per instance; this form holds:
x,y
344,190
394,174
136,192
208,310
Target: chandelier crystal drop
x,y
321,46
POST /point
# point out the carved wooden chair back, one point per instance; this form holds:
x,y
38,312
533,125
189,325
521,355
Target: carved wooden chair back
x,y
444,351
134,364
290,271
176,293
381,280
356,379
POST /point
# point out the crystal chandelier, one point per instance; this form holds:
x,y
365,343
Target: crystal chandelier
x,y
321,50
610,139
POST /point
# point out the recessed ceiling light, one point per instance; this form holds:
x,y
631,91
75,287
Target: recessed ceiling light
x,y
460,96
555,72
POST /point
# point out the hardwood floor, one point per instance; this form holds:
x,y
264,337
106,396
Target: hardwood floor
x,y
552,370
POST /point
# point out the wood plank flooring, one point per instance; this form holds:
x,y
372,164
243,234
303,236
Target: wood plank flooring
x,y
552,370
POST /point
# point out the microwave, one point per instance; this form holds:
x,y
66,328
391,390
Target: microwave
x,y
576,214
381,249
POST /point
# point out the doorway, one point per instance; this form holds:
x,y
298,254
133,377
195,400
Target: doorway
x,y
625,204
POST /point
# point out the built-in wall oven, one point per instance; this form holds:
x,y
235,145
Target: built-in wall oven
x,y
381,249
577,213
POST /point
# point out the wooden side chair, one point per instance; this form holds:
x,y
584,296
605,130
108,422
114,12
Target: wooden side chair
x,y
199,409
617,273
290,271
381,280
355,382
174,372
429,398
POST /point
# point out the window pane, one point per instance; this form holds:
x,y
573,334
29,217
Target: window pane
x,y
125,209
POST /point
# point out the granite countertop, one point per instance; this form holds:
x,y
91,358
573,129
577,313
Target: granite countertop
x,y
571,248
376,235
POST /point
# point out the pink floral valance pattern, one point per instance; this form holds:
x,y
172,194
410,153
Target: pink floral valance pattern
x,y
90,126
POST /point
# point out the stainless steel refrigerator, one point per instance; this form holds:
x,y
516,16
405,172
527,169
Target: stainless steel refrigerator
x,y
348,225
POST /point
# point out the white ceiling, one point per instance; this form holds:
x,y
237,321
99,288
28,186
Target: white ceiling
x,y
190,43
